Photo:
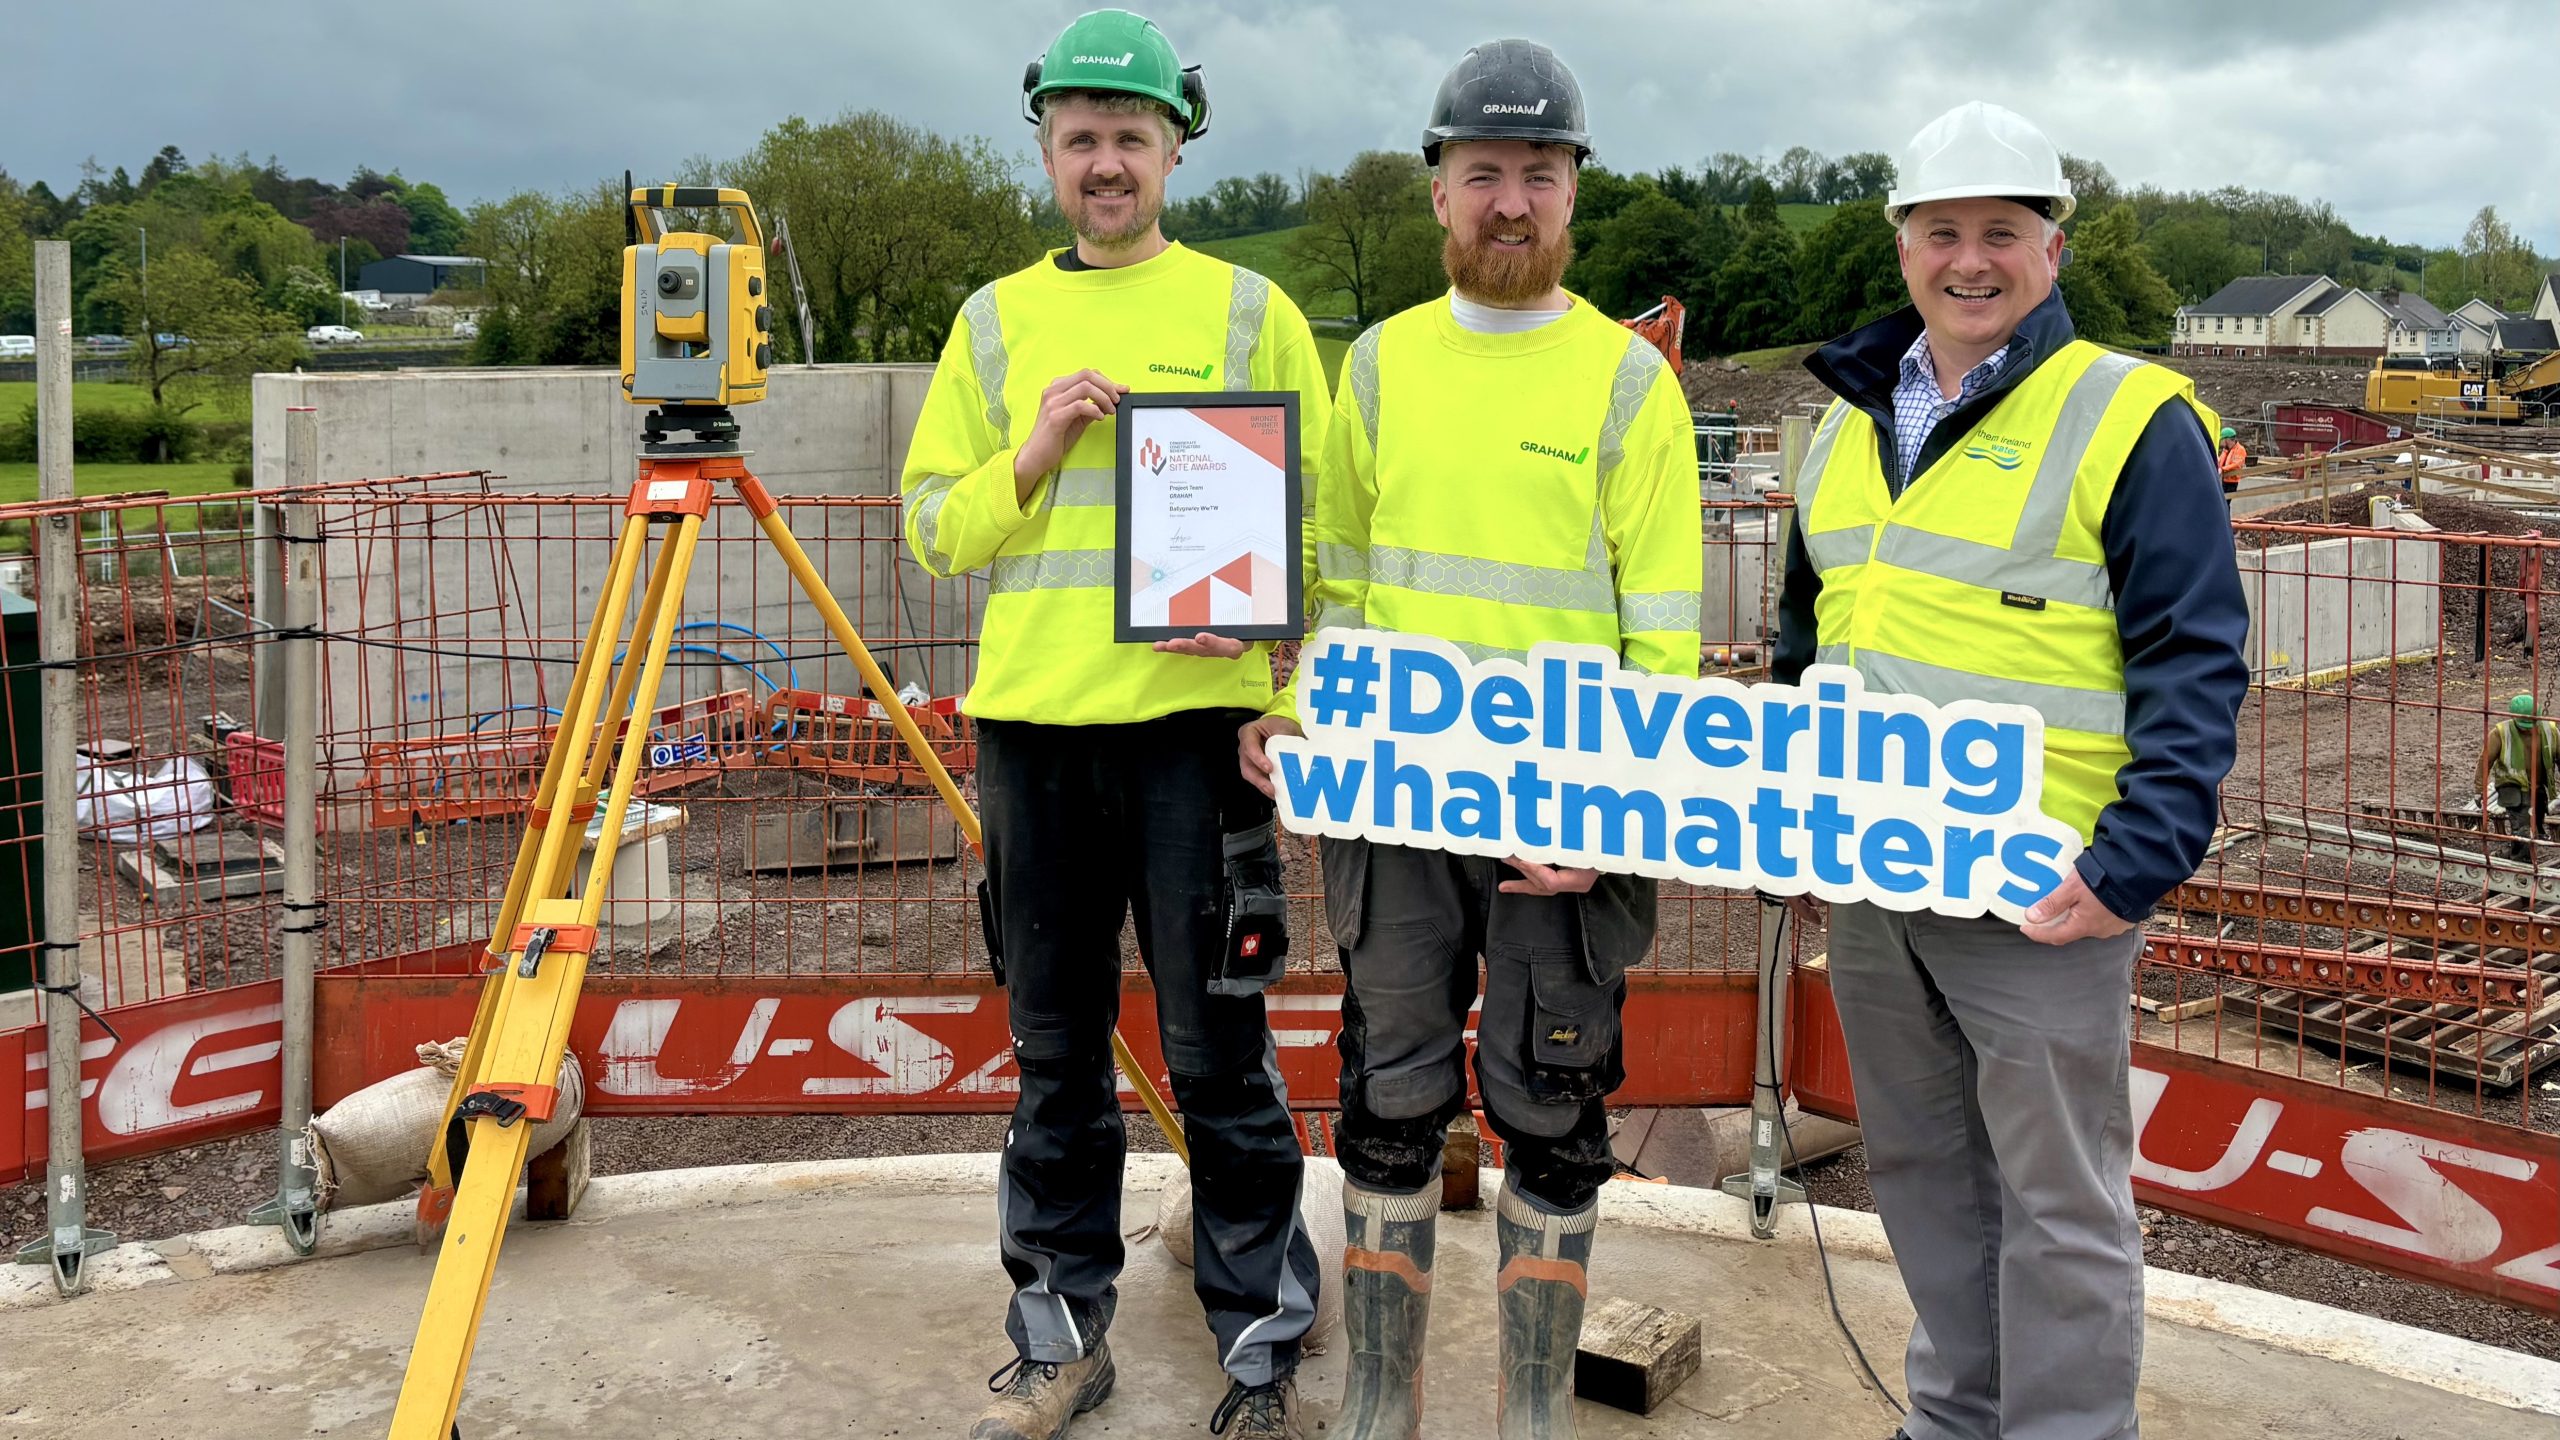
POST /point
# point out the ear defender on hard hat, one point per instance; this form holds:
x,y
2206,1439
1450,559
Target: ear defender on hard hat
x,y
1030,88
1195,94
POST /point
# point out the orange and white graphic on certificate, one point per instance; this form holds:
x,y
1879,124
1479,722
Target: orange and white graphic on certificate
x,y
1209,526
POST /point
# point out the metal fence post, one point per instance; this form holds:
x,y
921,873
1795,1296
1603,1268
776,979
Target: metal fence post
x,y
69,1242
296,1206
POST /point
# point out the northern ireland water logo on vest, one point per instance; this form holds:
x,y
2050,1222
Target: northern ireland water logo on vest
x,y
1999,450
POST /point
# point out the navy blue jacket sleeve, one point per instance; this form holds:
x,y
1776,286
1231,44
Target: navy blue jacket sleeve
x,y
2184,620
1794,649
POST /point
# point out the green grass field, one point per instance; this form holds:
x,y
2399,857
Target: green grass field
x,y
1268,254
17,395
18,482
1773,359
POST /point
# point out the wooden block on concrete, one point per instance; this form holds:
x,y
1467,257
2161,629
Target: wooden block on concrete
x,y
557,1178
1460,1184
1633,1356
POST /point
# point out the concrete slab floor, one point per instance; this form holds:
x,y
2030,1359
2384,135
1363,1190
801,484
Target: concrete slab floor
x,y
864,1299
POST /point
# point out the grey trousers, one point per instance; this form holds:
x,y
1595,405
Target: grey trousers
x,y
1992,1087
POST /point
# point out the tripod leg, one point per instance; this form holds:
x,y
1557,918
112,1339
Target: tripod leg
x,y
760,503
536,999
555,798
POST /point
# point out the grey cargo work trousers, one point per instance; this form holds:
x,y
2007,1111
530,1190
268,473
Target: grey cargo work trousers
x,y
1992,1076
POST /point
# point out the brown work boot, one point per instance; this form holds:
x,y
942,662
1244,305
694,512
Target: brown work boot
x,y
1035,1399
1386,1307
1260,1412
1545,1277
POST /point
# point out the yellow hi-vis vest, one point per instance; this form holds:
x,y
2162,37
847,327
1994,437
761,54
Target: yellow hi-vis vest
x,y
1177,321
1500,490
1987,578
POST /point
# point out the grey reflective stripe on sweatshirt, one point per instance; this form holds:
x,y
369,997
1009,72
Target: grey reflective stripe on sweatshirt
x,y
1817,455
1337,561
1363,370
2063,707
1831,655
931,493
1245,306
2049,499
1082,487
1657,610
1627,391
1831,549
1346,617
1970,562
1466,577
986,355
1051,570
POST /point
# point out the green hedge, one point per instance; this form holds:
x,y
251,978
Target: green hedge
x,y
132,437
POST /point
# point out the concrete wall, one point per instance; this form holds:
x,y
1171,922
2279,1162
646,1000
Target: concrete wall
x,y
534,571
2323,606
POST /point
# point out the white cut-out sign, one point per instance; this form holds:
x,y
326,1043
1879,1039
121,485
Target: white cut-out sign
x,y
1818,788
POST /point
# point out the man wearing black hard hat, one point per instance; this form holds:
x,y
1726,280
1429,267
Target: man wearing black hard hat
x,y
1505,466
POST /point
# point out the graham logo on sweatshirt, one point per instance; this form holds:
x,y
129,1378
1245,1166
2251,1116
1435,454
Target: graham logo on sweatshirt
x,y
1196,372
1556,452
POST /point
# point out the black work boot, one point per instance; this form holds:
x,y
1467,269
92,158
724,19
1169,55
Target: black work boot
x,y
1036,1399
1386,1307
1545,1276
1259,1412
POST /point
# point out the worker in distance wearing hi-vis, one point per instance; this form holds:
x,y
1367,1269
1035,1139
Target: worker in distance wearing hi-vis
x,y
1106,770
1996,510
1505,465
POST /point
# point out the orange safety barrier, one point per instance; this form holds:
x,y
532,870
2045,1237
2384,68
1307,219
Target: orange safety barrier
x,y
850,736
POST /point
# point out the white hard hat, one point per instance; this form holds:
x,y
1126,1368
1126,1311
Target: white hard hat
x,y
1978,148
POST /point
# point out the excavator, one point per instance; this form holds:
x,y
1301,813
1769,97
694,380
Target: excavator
x,y
2502,391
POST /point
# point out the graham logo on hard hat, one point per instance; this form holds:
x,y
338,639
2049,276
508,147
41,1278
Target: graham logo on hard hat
x,y
1508,90
1116,51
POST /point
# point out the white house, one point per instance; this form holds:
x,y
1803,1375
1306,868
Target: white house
x,y
2255,315
2546,306
2418,327
2475,321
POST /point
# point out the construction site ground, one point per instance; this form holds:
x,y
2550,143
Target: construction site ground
x,y
858,1298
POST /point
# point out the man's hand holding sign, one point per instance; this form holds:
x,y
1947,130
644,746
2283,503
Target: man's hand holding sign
x,y
1567,761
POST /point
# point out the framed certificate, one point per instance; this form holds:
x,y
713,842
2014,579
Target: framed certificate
x,y
1209,526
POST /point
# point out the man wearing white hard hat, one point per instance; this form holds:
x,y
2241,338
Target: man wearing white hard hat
x,y
1997,510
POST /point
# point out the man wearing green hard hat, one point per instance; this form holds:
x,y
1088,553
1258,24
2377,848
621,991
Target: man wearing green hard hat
x,y
2519,771
1106,771
2232,458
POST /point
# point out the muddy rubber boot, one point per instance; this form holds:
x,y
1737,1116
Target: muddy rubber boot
x,y
1386,1307
1035,1400
1545,1277
1259,1412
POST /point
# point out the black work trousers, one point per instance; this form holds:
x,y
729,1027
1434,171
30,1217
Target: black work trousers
x,y
1410,924
1086,825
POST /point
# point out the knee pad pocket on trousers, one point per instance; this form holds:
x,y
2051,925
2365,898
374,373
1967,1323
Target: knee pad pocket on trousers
x,y
1038,1038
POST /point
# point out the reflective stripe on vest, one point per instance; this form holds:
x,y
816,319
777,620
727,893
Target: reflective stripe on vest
x,y
1591,589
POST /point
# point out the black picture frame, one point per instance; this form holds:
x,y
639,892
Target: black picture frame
x,y
1294,539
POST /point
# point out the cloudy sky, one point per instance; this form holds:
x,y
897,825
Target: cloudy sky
x,y
2407,118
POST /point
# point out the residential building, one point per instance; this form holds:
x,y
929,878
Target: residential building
x,y
2546,305
408,279
2476,320
2418,328
2253,315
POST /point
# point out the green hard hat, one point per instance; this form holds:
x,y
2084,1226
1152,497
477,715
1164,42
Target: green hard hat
x,y
1115,50
2521,705
2230,434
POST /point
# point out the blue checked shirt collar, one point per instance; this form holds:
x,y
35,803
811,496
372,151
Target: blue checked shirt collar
x,y
1918,407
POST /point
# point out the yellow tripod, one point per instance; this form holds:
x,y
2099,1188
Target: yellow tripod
x,y
539,949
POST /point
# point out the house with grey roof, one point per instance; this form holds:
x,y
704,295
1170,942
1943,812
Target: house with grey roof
x,y
2475,320
2253,315
2418,327
2546,305
2524,337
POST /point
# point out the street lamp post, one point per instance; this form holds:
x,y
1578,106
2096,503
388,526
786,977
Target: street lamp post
x,y
342,279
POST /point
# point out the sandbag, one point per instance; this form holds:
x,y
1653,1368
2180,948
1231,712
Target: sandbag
x,y
373,1145
1319,1210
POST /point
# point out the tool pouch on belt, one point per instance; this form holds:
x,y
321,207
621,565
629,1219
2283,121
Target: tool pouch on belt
x,y
1257,913
1573,1051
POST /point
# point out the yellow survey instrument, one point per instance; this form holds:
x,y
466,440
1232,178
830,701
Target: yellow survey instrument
x,y
538,951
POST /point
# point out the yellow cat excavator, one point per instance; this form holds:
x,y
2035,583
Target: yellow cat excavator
x,y
2501,392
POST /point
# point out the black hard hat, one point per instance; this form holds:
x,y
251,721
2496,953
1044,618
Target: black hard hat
x,y
1507,90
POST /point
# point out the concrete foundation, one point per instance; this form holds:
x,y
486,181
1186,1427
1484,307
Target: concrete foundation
x,y
864,1298
2320,608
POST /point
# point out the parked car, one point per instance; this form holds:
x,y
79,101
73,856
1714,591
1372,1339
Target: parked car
x,y
17,347
332,335
167,341
109,344
466,329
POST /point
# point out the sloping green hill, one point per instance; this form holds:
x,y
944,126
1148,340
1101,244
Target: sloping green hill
x,y
1268,254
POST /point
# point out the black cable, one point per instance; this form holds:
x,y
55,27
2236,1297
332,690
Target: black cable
x,y
1813,1212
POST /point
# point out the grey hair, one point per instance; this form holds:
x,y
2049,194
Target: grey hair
x,y
1112,102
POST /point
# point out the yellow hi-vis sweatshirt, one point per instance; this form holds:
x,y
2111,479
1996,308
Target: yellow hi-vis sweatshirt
x,y
1500,490
1180,321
